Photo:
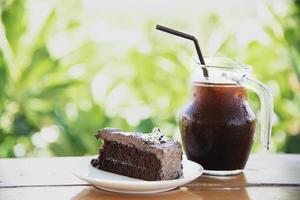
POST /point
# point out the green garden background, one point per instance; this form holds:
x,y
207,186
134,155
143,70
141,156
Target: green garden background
x,y
68,68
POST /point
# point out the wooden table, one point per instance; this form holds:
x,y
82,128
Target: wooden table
x,y
265,177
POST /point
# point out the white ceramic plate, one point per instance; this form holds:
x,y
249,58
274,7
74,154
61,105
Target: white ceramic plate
x,y
123,184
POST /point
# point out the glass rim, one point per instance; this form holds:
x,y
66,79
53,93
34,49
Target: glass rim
x,y
236,67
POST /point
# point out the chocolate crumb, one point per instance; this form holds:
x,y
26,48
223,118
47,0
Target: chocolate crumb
x,y
94,162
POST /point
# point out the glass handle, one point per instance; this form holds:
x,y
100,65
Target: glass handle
x,y
266,104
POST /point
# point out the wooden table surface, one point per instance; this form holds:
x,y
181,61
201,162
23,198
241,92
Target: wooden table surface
x,y
265,177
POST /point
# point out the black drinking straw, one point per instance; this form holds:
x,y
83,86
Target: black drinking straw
x,y
189,37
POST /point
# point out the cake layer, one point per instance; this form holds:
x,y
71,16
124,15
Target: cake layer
x,y
112,150
126,169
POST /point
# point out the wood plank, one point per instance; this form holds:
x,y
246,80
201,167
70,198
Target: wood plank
x,y
261,170
89,193
38,171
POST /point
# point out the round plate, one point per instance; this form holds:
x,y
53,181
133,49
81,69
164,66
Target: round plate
x,y
123,184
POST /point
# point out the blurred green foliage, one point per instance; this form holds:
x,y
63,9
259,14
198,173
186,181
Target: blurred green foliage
x,y
58,88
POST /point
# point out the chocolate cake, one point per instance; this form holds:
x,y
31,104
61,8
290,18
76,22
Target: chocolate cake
x,y
144,156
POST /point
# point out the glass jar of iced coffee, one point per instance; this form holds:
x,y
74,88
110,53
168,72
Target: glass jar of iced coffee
x,y
217,126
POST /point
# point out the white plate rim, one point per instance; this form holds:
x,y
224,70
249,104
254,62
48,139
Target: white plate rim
x,y
124,186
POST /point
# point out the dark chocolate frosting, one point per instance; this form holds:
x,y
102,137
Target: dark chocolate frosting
x,y
155,138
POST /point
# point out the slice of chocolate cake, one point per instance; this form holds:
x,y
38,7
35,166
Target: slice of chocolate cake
x,y
143,156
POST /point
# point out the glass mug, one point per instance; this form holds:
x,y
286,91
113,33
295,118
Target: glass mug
x,y
218,124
